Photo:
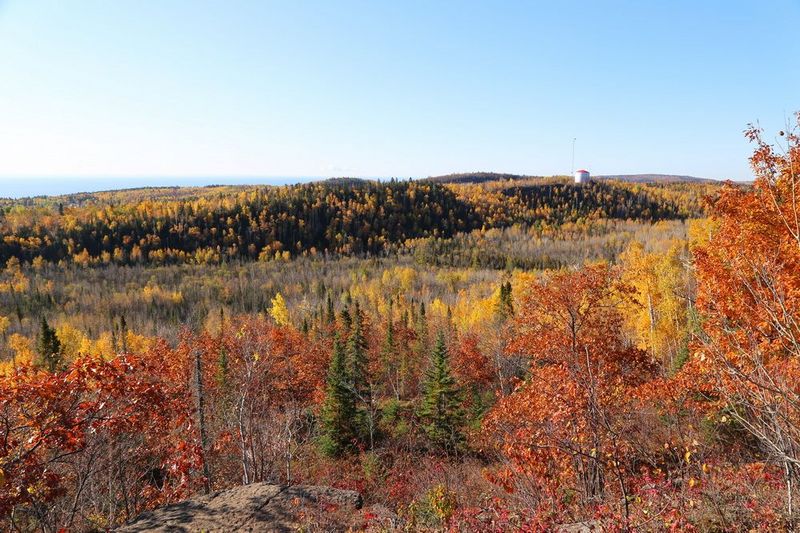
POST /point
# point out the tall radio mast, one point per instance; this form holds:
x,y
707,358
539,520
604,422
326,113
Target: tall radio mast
x,y
572,168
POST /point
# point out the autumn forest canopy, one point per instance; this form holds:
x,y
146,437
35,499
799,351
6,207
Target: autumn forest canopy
x,y
470,353
335,217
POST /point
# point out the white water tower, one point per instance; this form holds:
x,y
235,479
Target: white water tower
x,y
581,177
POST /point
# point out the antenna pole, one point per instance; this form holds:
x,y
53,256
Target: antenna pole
x,y
572,171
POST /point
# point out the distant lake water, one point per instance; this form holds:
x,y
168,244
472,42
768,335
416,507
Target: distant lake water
x,y
11,187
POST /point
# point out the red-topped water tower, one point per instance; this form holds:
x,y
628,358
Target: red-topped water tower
x,y
581,177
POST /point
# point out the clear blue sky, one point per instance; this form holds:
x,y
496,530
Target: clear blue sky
x,y
154,91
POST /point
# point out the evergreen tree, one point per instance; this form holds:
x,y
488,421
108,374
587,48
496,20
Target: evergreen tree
x,y
358,366
441,411
48,348
338,409
505,305
123,331
329,315
357,356
346,319
508,300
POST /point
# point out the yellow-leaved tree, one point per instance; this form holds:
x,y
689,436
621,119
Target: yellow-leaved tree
x,y
72,339
279,312
659,317
5,322
21,348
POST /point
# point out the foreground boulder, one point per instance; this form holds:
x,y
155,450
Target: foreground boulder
x,y
256,507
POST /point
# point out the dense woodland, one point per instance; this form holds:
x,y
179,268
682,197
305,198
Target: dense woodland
x,y
341,217
506,354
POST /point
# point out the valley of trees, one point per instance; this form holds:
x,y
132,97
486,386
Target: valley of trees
x,y
487,355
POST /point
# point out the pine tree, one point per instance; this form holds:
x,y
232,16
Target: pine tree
x,y
357,356
338,410
358,367
505,305
329,314
441,411
48,348
123,331
345,319
509,300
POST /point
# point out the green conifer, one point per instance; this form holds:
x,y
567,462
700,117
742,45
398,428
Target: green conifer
x,y
329,315
441,411
345,319
48,348
505,305
338,410
357,359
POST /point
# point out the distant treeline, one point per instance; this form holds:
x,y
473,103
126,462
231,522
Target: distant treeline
x,y
334,217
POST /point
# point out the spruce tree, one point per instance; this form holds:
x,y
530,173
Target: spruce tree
x,y
345,319
48,348
508,300
358,367
441,411
338,409
357,356
123,330
329,314
505,305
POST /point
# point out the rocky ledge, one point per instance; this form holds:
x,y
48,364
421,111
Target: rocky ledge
x,y
257,507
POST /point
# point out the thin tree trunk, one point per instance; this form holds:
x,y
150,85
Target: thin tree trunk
x,y
202,420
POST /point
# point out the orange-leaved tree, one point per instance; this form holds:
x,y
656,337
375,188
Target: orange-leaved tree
x,y
563,430
258,381
748,275
95,444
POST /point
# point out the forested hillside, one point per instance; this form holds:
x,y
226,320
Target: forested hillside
x,y
492,356
334,217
